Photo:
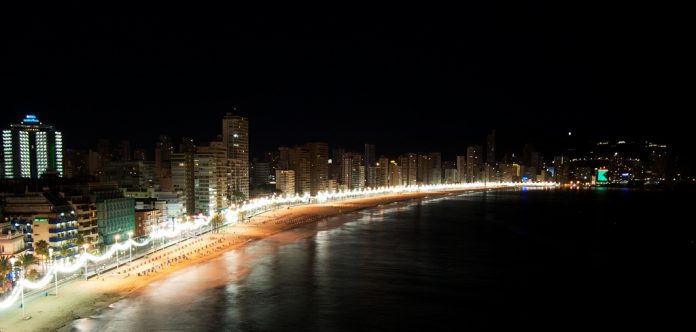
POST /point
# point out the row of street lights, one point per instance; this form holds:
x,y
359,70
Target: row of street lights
x,y
130,248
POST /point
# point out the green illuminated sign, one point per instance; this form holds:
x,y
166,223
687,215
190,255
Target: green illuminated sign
x,y
602,175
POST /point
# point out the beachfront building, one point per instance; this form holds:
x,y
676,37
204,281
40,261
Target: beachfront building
x,y
86,215
147,221
115,214
51,217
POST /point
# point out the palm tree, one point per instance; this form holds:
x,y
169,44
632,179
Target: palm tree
x,y
238,196
64,251
41,248
26,261
4,269
216,222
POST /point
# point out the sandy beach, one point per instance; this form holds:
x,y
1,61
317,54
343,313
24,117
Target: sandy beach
x,y
82,298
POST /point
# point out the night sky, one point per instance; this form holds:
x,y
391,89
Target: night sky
x,y
428,80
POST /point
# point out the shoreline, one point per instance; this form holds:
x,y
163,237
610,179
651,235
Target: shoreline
x,y
83,298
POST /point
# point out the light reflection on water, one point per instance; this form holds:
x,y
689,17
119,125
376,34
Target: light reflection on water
x,y
481,261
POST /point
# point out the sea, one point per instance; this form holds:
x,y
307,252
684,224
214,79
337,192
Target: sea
x,y
498,260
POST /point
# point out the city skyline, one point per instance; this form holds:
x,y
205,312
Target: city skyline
x,y
428,81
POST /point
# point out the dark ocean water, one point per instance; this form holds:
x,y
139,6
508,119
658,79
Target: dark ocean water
x,y
513,260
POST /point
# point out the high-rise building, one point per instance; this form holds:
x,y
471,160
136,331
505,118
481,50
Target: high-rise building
x,y
369,155
182,169
139,154
163,155
451,176
473,164
285,181
75,163
424,169
94,163
32,149
436,166
212,173
394,174
235,136
382,172
318,166
261,173
335,165
201,177
509,172
300,163
461,169
371,176
283,158
490,148
86,215
370,166
409,168
353,173
657,161
130,174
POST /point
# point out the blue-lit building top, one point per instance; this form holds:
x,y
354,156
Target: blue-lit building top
x,y
31,149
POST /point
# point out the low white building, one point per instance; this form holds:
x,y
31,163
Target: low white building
x,y
11,242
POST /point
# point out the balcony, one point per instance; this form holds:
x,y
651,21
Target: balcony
x,y
60,221
60,230
64,238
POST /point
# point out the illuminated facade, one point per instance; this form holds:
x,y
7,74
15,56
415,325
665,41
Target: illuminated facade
x,y
285,181
299,161
203,179
318,167
235,136
32,149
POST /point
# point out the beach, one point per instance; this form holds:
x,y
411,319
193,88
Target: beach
x,y
82,298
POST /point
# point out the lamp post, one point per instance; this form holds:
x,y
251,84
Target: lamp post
x,y
13,260
117,237
85,246
130,247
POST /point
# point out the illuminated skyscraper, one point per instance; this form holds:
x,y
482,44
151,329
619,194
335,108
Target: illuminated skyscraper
x,y
353,172
318,166
300,163
235,136
32,149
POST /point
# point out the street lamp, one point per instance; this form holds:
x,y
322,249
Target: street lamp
x,y
55,273
13,260
117,237
50,255
130,246
85,246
